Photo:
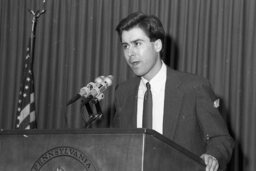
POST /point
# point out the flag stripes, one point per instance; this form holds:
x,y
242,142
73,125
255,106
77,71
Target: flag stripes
x,y
26,117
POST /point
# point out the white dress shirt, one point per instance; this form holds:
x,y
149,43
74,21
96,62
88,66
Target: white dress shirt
x,y
157,88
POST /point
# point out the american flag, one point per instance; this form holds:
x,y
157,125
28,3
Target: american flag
x,y
26,118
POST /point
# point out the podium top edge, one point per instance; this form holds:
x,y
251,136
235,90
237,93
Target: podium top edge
x,y
95,131
79,131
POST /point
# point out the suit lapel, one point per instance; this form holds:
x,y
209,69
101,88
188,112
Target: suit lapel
x,y
172,104
131,105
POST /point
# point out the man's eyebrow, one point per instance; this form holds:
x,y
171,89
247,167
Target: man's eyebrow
x,y
136,40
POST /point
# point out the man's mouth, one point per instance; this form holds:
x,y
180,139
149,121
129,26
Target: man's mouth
x,y
135,63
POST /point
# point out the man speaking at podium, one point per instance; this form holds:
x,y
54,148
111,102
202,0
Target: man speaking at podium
x,y
180,106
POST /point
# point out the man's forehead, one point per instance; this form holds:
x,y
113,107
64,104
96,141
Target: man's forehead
x,y
134,34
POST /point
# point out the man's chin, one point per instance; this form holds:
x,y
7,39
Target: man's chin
x,y
138,73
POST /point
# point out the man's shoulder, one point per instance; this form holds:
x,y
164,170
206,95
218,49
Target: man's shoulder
x,y
185,79
128,84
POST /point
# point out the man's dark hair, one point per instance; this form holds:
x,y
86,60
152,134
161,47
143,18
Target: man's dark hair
x,y
150,24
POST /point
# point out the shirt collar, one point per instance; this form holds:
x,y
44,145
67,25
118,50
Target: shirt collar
x,y
158,81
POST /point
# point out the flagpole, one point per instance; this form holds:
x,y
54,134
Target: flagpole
x,y
36,15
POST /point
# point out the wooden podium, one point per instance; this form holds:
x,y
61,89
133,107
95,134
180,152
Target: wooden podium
x,y
93,150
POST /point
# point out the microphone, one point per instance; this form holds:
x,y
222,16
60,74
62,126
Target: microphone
x,y
83,91
102,83
93,90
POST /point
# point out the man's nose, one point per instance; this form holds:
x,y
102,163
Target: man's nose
x,y
131,51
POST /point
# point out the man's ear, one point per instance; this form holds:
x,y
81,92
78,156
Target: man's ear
x,y
158,45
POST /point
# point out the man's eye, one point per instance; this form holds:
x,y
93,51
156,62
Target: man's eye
x,y
125,46
137,43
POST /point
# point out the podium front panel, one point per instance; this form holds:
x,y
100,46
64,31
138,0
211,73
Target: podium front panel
x,y
91,150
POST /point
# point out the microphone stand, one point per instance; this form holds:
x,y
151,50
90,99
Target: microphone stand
x,y
92,116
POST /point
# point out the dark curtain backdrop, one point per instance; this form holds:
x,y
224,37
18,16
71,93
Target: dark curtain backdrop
x,y
76,42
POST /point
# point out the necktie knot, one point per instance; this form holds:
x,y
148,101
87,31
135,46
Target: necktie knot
x,y
148,86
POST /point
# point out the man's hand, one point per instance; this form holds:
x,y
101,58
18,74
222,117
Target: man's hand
x,y
211,162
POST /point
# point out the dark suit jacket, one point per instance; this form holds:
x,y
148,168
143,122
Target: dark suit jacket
x,y
190,118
